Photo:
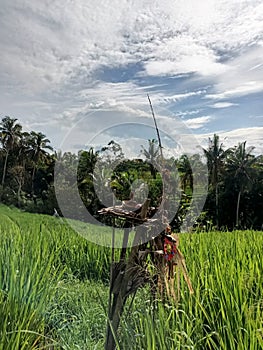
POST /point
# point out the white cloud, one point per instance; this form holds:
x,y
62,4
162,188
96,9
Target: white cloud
x,y
199,122
231,138
247,88
244,76
223,105
187,113
47,44
178,97
186,56
131,98
52,54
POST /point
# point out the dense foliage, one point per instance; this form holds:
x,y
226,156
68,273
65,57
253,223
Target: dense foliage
x,y
27,162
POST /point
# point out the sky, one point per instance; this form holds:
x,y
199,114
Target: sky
x,y
80,71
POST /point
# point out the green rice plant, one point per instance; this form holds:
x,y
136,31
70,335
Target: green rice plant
x,y
27,278
226,310
42,262
50,278
76,314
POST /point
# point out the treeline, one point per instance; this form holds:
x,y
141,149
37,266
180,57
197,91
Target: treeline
x,y
28,162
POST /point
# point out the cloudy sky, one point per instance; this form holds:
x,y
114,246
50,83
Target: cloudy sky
x,y
74,69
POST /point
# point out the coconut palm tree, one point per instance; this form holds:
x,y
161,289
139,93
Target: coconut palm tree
x,y
38,144
215,155
10,132
87,161
152,154
240,164
186,173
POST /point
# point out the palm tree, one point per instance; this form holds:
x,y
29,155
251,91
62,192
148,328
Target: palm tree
x,y
38,144
152,155
186,173
215,155
18,173
240,164
10,132
87,161
23,148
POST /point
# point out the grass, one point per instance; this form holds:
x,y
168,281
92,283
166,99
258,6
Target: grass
x,y
52,282
226,311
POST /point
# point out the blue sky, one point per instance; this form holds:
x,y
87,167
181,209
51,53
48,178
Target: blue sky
x,y
73,69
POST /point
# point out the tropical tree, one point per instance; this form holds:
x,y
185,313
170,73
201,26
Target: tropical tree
x,y
18,174
215,155
186,173
240,163
10,132
152,154
111,154
23,148
38,144
86,165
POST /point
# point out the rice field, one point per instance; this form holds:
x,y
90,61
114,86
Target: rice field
x,y
54,291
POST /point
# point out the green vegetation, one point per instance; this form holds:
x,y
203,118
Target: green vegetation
x,y
53,283
27,165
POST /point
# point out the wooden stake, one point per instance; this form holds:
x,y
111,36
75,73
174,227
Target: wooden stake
x,y
156,127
